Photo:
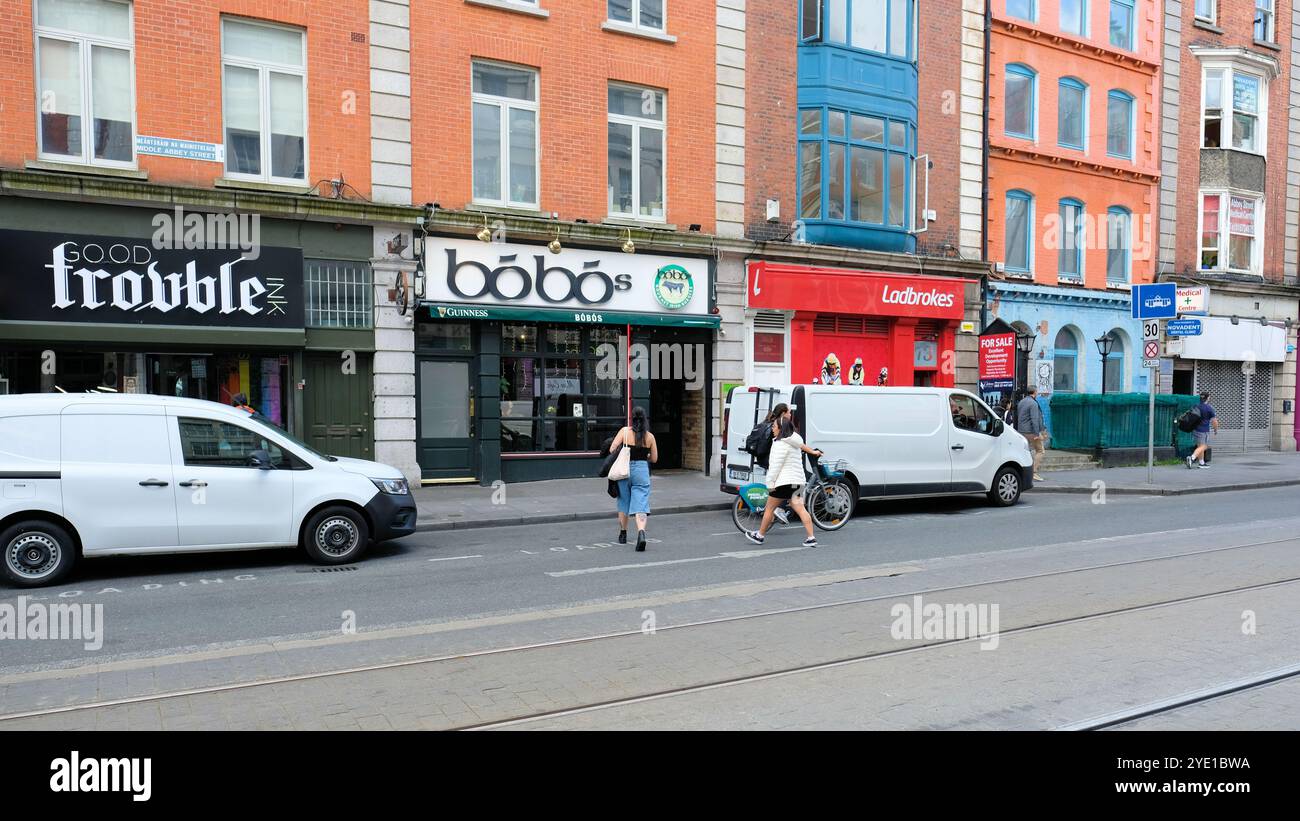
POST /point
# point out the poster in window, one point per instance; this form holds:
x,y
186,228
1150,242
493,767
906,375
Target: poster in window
x,y
1044,372
1245,93
769,347
1241,216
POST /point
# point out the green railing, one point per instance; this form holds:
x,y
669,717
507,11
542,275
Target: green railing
x,y
1085,421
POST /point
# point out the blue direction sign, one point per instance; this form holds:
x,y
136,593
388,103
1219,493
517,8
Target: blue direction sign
x,y
1183,327
1155,301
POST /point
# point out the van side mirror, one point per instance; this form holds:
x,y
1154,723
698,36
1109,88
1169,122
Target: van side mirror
x,y
260,459
998,427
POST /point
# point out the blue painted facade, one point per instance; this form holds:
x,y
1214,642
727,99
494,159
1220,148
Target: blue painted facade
x,y
837,79
1085,315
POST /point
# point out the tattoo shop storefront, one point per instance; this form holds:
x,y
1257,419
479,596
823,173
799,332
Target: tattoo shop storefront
x,y
81,312
524,367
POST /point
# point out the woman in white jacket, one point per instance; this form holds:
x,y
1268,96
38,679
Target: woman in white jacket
x,y
785,478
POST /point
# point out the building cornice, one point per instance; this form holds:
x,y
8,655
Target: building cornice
x,y
1068,44
1016,292
1238,55
1031,153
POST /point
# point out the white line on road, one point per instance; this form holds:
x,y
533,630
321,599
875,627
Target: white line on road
x,y
739,554
454,558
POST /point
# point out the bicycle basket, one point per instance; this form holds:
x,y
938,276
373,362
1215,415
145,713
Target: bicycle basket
x,y
835,468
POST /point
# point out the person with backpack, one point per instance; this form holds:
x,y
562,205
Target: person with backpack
x,y
759,445
1208,418
785,480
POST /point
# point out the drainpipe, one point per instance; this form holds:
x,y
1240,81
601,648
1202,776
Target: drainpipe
x,y
984,199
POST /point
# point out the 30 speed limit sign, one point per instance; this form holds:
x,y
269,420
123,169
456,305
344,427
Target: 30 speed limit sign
x,y
1150,343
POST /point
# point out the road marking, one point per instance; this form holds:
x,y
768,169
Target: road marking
x,y
454,558
739,554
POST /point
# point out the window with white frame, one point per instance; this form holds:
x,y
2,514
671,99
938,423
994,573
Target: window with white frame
x,y
264,101
1230,232
882,26
1264,20
636,152
1230,95
504,100
1207,10
645,14
85,86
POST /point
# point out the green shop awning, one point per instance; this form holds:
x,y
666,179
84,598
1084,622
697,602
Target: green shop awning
x,y
441,310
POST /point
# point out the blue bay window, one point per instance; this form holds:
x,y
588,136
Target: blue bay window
x,y
855,168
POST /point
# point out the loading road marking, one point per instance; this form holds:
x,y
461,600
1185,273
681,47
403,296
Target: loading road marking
x,y
739,554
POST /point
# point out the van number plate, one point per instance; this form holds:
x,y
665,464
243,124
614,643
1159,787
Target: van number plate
x,y
737,474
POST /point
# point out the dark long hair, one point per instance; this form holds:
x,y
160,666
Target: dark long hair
x,y
639,426
787,429
777,412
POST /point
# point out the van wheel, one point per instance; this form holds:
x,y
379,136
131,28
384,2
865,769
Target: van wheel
x,y
1006,487
37,553
335,535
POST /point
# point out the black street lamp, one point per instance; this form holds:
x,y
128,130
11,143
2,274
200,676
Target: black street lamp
x,y
1105,344
1024,344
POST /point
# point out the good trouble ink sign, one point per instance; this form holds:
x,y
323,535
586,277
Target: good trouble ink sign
x,y
50,277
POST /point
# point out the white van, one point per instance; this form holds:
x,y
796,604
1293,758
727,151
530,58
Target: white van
x,y
899,442
101,474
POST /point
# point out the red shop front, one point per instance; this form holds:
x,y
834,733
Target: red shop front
x,y
847,325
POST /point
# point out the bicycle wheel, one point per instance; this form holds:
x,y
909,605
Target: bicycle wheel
x,y
831,505
745,518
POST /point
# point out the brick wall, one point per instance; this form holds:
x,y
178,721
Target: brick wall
x,y
772,85
178,82
576,60
1235,21
939,66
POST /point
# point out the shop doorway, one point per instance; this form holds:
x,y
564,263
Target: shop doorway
x,y
445,435
667,402
336,405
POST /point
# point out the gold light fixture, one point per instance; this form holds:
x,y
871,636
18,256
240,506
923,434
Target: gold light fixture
x,y
485,233
629,247
554,245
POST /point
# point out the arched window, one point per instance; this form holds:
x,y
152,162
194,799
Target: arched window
x,y
1119,124
1065,360
1113,367
1119,244
1019,232
1072,114
1019,104
1070,267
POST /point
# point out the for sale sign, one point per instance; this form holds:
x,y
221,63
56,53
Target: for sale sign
x,y
997,356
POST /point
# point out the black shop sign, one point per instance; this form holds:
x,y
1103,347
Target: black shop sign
x,y
55,277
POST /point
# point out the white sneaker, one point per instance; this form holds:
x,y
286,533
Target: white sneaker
x,y
1190,464
811,541
782,514
753,536
1203,466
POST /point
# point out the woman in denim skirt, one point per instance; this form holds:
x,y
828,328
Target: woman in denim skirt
x,y
634,491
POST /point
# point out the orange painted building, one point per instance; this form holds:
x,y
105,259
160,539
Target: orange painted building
x,y
574,54
175,67
1073,137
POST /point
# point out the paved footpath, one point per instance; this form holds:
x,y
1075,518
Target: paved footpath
x,y
1236,472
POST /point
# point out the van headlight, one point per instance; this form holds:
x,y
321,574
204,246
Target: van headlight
x,y
395,487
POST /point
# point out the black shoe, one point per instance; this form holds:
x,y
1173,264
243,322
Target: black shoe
x,y
622,537
640,541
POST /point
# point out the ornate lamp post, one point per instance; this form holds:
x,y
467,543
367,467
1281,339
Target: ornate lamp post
x,y
1105,344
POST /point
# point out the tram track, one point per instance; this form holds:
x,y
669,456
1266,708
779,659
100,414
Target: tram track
x,y
234,687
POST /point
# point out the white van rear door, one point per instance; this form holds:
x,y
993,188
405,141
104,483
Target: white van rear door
x,y
974,447
117,476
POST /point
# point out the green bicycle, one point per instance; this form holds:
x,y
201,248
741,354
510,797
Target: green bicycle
x,y
829,496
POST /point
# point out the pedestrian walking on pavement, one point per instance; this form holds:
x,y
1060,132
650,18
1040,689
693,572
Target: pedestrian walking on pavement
x,y
1209,419
634,491
785,480
1029,421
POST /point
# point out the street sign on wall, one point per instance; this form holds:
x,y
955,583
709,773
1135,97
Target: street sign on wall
x,y
1193,299
1184,327
1155,301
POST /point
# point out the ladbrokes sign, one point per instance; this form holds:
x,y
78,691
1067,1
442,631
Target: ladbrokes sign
x,y
46,277
495,274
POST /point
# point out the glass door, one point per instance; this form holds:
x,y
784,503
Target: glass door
x,y
446,424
